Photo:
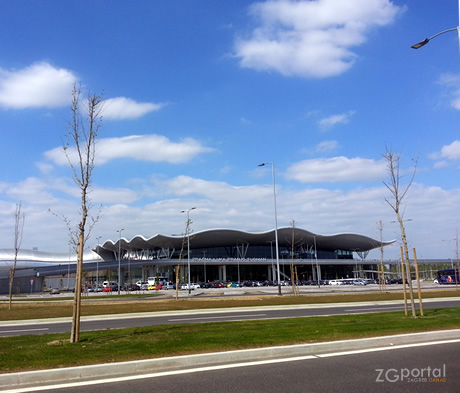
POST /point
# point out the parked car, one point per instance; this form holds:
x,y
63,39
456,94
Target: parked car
x,y
133,287
169,285
336,282
359,282
154,287
55,291
192,286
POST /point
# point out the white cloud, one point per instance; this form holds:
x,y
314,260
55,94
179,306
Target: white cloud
x,y
452,151
44,167
310,38
323,147
327,146
217,191
449,152
441,164
120,108
337,169
39,85
113,195
452,83
31,190
150,148
223,205
333,120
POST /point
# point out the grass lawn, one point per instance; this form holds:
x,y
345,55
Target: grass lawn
x,y
35,352
54,308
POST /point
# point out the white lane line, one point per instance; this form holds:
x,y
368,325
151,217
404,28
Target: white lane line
x,y
221,367
357,351
374,309
156,375
22,330
219,317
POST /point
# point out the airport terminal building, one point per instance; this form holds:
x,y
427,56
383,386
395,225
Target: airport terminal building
x,y
225,255
234,255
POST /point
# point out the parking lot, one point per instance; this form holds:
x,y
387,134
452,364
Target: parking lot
x,y
246,291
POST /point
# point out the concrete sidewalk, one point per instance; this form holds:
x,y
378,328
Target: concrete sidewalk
x,y
10,381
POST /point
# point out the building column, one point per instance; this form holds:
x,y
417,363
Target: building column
x,y
223,273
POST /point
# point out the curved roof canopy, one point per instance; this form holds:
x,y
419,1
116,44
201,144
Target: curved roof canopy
x,y
230,237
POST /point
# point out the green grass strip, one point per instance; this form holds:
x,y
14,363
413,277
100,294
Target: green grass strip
x,y
118,305
34,352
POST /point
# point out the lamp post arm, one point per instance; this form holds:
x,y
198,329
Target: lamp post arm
x,y
426,40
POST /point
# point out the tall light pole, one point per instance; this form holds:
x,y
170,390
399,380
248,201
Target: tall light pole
x,y
276,225
426,40
318,272
204,260
187,232
119,260
97,265
271,252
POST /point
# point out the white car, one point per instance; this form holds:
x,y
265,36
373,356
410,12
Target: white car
x,y
169,285
192,286
335,282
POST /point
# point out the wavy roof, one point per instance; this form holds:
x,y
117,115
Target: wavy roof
x,y
230,237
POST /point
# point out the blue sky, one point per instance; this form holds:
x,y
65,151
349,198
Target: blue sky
x,y
198,93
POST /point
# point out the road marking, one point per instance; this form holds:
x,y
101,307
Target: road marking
x,y
220,317
374,309
357,351
221,367
22,330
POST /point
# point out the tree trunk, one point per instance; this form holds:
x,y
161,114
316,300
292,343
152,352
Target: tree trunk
x,y
75,333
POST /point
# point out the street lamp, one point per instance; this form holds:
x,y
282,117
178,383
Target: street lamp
x,y
119,260
187,232
426,40
271,252
318,272
204,261
276,225
97,265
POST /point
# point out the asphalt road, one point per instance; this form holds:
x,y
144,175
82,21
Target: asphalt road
x,y
428,368
202,316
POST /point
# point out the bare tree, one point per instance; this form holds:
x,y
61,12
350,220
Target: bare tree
x,y
398,193
18,230
80,149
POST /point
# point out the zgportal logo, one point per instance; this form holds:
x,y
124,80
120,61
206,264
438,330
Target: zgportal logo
x,y
427,374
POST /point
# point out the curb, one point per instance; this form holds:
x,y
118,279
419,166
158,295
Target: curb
x,y
152,365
